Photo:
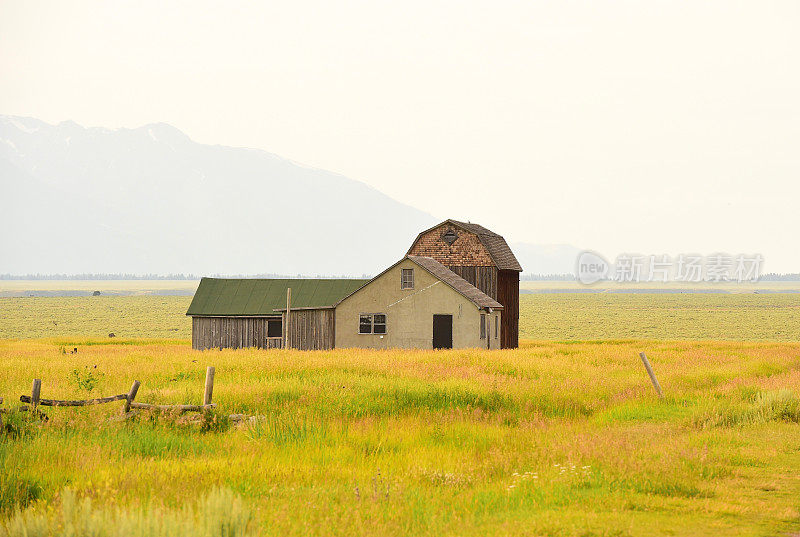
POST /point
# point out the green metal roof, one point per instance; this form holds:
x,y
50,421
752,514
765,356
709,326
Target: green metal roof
x,y
247,297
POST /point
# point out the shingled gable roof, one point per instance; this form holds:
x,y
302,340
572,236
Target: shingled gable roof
x,y
459,284
245,297
495,244
445,275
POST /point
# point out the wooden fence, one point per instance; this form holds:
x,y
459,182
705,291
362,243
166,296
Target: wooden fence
x,y
35,400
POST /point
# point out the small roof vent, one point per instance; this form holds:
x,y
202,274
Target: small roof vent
x,y
450,236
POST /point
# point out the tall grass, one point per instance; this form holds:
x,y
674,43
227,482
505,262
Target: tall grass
x,y
219,513
553,438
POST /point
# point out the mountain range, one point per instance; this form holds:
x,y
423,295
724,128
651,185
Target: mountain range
x,y
151,200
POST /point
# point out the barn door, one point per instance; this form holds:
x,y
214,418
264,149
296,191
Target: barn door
x,y
442,331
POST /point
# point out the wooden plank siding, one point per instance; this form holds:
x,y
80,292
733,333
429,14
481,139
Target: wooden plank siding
x,y
311,329
508,296
503,286
230,332
484,278
308,330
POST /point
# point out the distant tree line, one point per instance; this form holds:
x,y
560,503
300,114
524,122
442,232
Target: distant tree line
x,y
120,276
775,277
102,276
770,277
530,277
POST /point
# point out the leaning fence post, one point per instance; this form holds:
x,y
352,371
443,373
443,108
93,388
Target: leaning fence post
x,y
131,396
36,391
209,386
650,372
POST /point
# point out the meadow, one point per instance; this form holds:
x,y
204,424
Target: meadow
x,y
563,436
559,316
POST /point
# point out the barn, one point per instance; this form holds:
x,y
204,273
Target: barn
x,y
457,287
418,303
484,259
236,313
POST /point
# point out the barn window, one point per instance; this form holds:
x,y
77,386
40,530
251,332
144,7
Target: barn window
x,y
372,323
379,323
483,325
496,323
449,237
365,324
407,278
274,328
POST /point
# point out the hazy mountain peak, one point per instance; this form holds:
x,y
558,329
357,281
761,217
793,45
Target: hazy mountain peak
x,y
27,125
150,199
164,132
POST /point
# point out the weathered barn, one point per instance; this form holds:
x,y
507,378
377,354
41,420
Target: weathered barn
x,y
418,303
484,259
236,313
457,287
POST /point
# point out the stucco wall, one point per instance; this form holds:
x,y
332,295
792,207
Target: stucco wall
x,y
409,313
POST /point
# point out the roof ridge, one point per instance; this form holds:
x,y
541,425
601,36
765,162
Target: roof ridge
x,y
230,297
455,282
475,228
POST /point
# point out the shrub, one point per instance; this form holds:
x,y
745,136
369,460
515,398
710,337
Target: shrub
x,y
86,380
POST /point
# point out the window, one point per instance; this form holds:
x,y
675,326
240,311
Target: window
x,y
407,278
372,323
483,325
450,237
274,328
496,323
365,324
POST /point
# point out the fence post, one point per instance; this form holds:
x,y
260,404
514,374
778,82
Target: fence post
x,y
131,396
209,386
36,391
287,341
650,372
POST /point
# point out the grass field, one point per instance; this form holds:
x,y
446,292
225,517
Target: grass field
x,y
128,286
687,287
739,317
559,437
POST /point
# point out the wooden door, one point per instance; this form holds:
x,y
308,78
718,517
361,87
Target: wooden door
x,y
442,331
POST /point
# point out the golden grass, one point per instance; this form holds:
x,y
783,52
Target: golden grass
x,y
552,438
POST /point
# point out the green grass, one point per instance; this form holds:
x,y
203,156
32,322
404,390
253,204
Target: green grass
x,y
96,317
563,436
737,317
219,513
605,316
550,439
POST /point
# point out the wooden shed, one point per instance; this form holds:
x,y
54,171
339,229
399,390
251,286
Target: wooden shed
x,y
484,259
236,313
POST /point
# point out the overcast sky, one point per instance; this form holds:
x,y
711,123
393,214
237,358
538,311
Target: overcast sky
x,y
649,127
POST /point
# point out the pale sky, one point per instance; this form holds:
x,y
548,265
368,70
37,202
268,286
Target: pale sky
x,y
650,127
